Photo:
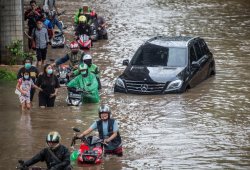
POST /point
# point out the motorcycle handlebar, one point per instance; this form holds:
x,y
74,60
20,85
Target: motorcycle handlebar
x,y
73,89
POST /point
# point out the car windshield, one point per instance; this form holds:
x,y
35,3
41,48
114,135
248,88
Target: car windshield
x,y
154,55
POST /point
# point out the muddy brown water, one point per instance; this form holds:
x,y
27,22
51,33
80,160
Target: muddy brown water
x,y
206,128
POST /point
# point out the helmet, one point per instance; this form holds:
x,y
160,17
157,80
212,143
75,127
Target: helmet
x,y
85,9
82,18
93,14
87,59
104,109
83,67
54,137
74,46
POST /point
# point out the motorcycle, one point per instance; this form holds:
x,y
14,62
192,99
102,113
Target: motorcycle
x,y
102,33
75,96
84,42
62,73
20,166
93,34
91,150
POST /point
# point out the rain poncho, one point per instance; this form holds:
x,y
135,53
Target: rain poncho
x,y
89,84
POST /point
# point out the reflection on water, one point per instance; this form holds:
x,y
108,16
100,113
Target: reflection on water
x,y
205,128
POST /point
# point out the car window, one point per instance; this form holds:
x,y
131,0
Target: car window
x,y
153,55
192,54
197,50
177,57
203,47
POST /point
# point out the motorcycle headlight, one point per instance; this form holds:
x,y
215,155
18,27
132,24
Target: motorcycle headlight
x,y
174,85
74,102
120,83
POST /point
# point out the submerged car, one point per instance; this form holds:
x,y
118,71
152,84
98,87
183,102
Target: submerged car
x,y
166,65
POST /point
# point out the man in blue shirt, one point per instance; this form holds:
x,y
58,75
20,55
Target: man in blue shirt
x,y
108,131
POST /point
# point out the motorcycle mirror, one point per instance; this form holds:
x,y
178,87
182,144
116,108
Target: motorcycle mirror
x,y
20,161
76,129
67,46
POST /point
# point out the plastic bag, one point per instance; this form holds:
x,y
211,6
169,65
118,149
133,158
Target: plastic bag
x,y
18,92
74,155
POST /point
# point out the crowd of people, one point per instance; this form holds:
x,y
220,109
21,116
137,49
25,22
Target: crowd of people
x,y
85,75
41,22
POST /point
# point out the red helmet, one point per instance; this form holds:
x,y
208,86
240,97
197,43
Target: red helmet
x,y
92,14
74,46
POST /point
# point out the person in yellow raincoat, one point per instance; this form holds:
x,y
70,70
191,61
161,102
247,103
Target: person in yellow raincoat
x,y
86,81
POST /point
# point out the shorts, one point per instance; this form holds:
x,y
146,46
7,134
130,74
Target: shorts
x,y
23,99
41,54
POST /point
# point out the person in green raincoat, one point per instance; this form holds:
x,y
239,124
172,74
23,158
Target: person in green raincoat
x,y
92,68
87,81
85,10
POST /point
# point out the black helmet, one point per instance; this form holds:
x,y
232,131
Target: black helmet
x,y
54,137
104,109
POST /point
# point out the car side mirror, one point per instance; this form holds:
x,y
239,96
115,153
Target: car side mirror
x,y
125,62
195,65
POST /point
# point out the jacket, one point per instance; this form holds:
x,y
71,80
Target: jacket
x,y
61,152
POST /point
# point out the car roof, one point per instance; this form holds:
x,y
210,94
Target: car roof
x,y
177,41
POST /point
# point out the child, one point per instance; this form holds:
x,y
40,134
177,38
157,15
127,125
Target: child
x,y
24,85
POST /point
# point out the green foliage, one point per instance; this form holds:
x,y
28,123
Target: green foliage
x,y
17,53
7,75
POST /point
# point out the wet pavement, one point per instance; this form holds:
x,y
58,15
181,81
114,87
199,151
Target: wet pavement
x,y
205,128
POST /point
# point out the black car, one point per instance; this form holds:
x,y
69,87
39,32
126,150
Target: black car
x,y
166,65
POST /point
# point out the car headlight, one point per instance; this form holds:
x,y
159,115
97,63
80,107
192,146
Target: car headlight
x,y
176,84
119,83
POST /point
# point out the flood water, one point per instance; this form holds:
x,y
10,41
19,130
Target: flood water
x,y
206,128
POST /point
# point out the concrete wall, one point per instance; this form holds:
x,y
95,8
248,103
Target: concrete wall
x,y
11,25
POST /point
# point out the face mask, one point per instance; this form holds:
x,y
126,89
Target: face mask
x,y
49,71
84,73
26,77
27,65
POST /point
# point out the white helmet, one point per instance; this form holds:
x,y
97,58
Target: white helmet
x,y
87,57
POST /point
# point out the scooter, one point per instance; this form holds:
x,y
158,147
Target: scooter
x,y
91,150
58,40
20,166
84,42
62,73
75,96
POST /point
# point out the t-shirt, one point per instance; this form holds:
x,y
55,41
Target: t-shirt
x,y
33,73
105,127
48,84
26,85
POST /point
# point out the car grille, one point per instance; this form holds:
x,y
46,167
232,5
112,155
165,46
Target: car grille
x,y
144,87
